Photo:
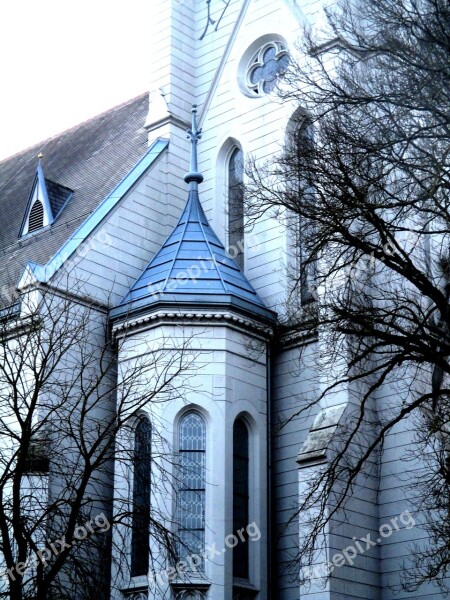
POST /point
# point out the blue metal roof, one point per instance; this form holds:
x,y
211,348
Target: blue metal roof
x,y
192,268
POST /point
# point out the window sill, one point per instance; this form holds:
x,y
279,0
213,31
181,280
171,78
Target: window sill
x,y
137,588
243,590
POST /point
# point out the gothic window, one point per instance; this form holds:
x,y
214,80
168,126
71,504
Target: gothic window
x,y
236,207
191,492
265,67
240,496
141,499
36,217
304,146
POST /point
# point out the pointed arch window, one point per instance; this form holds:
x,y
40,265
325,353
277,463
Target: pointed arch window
x,y
36,217
141,498
240,497
303,143
236,206
191,493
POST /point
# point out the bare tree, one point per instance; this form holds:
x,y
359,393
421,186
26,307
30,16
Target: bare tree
x,y
371,200
63,405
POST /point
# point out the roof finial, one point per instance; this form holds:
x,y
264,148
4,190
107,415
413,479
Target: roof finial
x,y
194,134
40,156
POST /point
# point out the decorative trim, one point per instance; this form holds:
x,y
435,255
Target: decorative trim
x,y
158,318
137,590
257,80
190,591
168,120
190,595
297,337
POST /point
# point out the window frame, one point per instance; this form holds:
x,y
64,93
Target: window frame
x,y
241,552
140,544
196,471
235,199
301,125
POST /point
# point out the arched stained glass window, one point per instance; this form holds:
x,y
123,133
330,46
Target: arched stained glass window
x,y
240,496
191,495
36,217
236,206
141,499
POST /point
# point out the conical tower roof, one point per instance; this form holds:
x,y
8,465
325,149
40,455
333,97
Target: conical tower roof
x,y
192,268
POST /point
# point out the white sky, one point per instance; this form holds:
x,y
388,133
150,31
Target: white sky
x,y
62,62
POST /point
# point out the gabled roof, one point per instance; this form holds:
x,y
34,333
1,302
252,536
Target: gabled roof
x,y
91,159
192,268
54,197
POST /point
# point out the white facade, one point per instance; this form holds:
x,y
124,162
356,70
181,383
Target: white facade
x,y
236,369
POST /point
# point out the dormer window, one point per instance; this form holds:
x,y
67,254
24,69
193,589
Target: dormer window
x,y
47,199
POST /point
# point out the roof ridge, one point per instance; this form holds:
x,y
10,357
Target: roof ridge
x,y
211,250
179,245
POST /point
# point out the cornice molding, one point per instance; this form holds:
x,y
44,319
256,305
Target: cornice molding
x,y
297,337
193,317
170,119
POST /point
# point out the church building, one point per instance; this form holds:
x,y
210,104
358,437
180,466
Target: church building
x,y
145,222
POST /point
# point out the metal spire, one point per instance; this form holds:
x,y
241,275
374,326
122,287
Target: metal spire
x,y
194,134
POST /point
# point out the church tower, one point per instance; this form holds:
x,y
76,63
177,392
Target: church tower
x,y
218,286
216,432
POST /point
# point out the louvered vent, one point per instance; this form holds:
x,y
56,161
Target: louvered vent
x,y
36,218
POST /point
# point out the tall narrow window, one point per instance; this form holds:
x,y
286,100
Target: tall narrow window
x,y
304,146
191,497
236,206
240,496
141,499
36,218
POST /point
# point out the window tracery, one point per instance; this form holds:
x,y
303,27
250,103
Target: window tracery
x,y
265,68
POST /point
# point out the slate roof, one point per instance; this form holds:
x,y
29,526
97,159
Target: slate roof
x,y
192,268
90,159
57,195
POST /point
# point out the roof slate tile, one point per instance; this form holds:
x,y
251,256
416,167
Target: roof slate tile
x,y
90,159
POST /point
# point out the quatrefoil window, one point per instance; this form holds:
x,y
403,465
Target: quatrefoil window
x,y
265,68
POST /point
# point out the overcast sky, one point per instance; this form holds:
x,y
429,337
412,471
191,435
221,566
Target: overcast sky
x,y
63,62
